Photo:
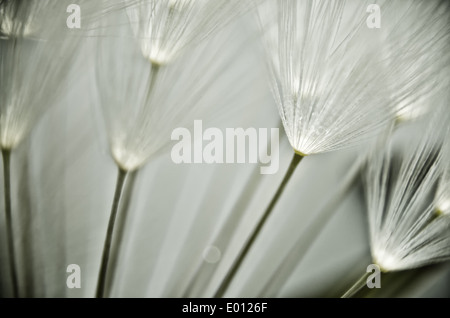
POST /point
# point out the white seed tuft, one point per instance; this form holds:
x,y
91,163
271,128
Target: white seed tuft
x,y
326,73
405,229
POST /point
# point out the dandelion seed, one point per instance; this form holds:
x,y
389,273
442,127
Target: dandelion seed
x,y
322,66
405,231
143,99
28,60
416,44
326,82
163,29
31,76
166,27
417,50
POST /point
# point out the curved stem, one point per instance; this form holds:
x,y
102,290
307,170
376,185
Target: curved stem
x,y
237,263
107,246
356,287
6,154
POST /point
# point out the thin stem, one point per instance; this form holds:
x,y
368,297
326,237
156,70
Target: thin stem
x,y
6,154
107,247
303,244
360,283
205,271
153,78
237,263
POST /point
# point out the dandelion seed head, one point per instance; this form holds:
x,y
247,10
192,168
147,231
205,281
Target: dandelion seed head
x,y
30,74
13,128
165,28
406,111
125,158
443,206
156,55
142,103
386,261
325,73
400,182
417,51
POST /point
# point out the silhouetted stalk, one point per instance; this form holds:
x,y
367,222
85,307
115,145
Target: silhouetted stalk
x,y
6,154
109,234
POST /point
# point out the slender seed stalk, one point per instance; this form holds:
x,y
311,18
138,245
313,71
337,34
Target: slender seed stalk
x,y
360,283
303,244
154,72
121,176
237,263
6,154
